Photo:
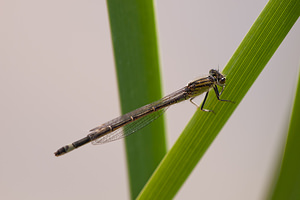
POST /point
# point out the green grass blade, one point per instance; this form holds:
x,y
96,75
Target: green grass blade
x,y
288,183
257,48
137,63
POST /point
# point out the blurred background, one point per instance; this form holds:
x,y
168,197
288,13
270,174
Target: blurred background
x,y
57,81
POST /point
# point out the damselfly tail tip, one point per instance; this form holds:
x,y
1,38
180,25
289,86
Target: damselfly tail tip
x,y
60,152
64,150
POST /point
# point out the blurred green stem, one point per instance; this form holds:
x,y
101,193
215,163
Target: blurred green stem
x,y
137,64
288,183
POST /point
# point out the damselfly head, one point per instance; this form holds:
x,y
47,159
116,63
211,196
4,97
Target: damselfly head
x,y
219,78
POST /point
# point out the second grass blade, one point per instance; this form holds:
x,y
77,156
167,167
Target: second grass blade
x,y
137,64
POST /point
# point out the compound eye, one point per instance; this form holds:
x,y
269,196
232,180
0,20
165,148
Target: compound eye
x,y
222,80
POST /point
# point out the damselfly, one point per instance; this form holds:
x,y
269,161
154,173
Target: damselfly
x,y
131,122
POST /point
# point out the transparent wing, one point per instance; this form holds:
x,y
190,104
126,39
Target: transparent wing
x,y
124,125
129,128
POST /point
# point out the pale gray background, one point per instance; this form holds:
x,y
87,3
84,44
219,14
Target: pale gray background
x,y
57,81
